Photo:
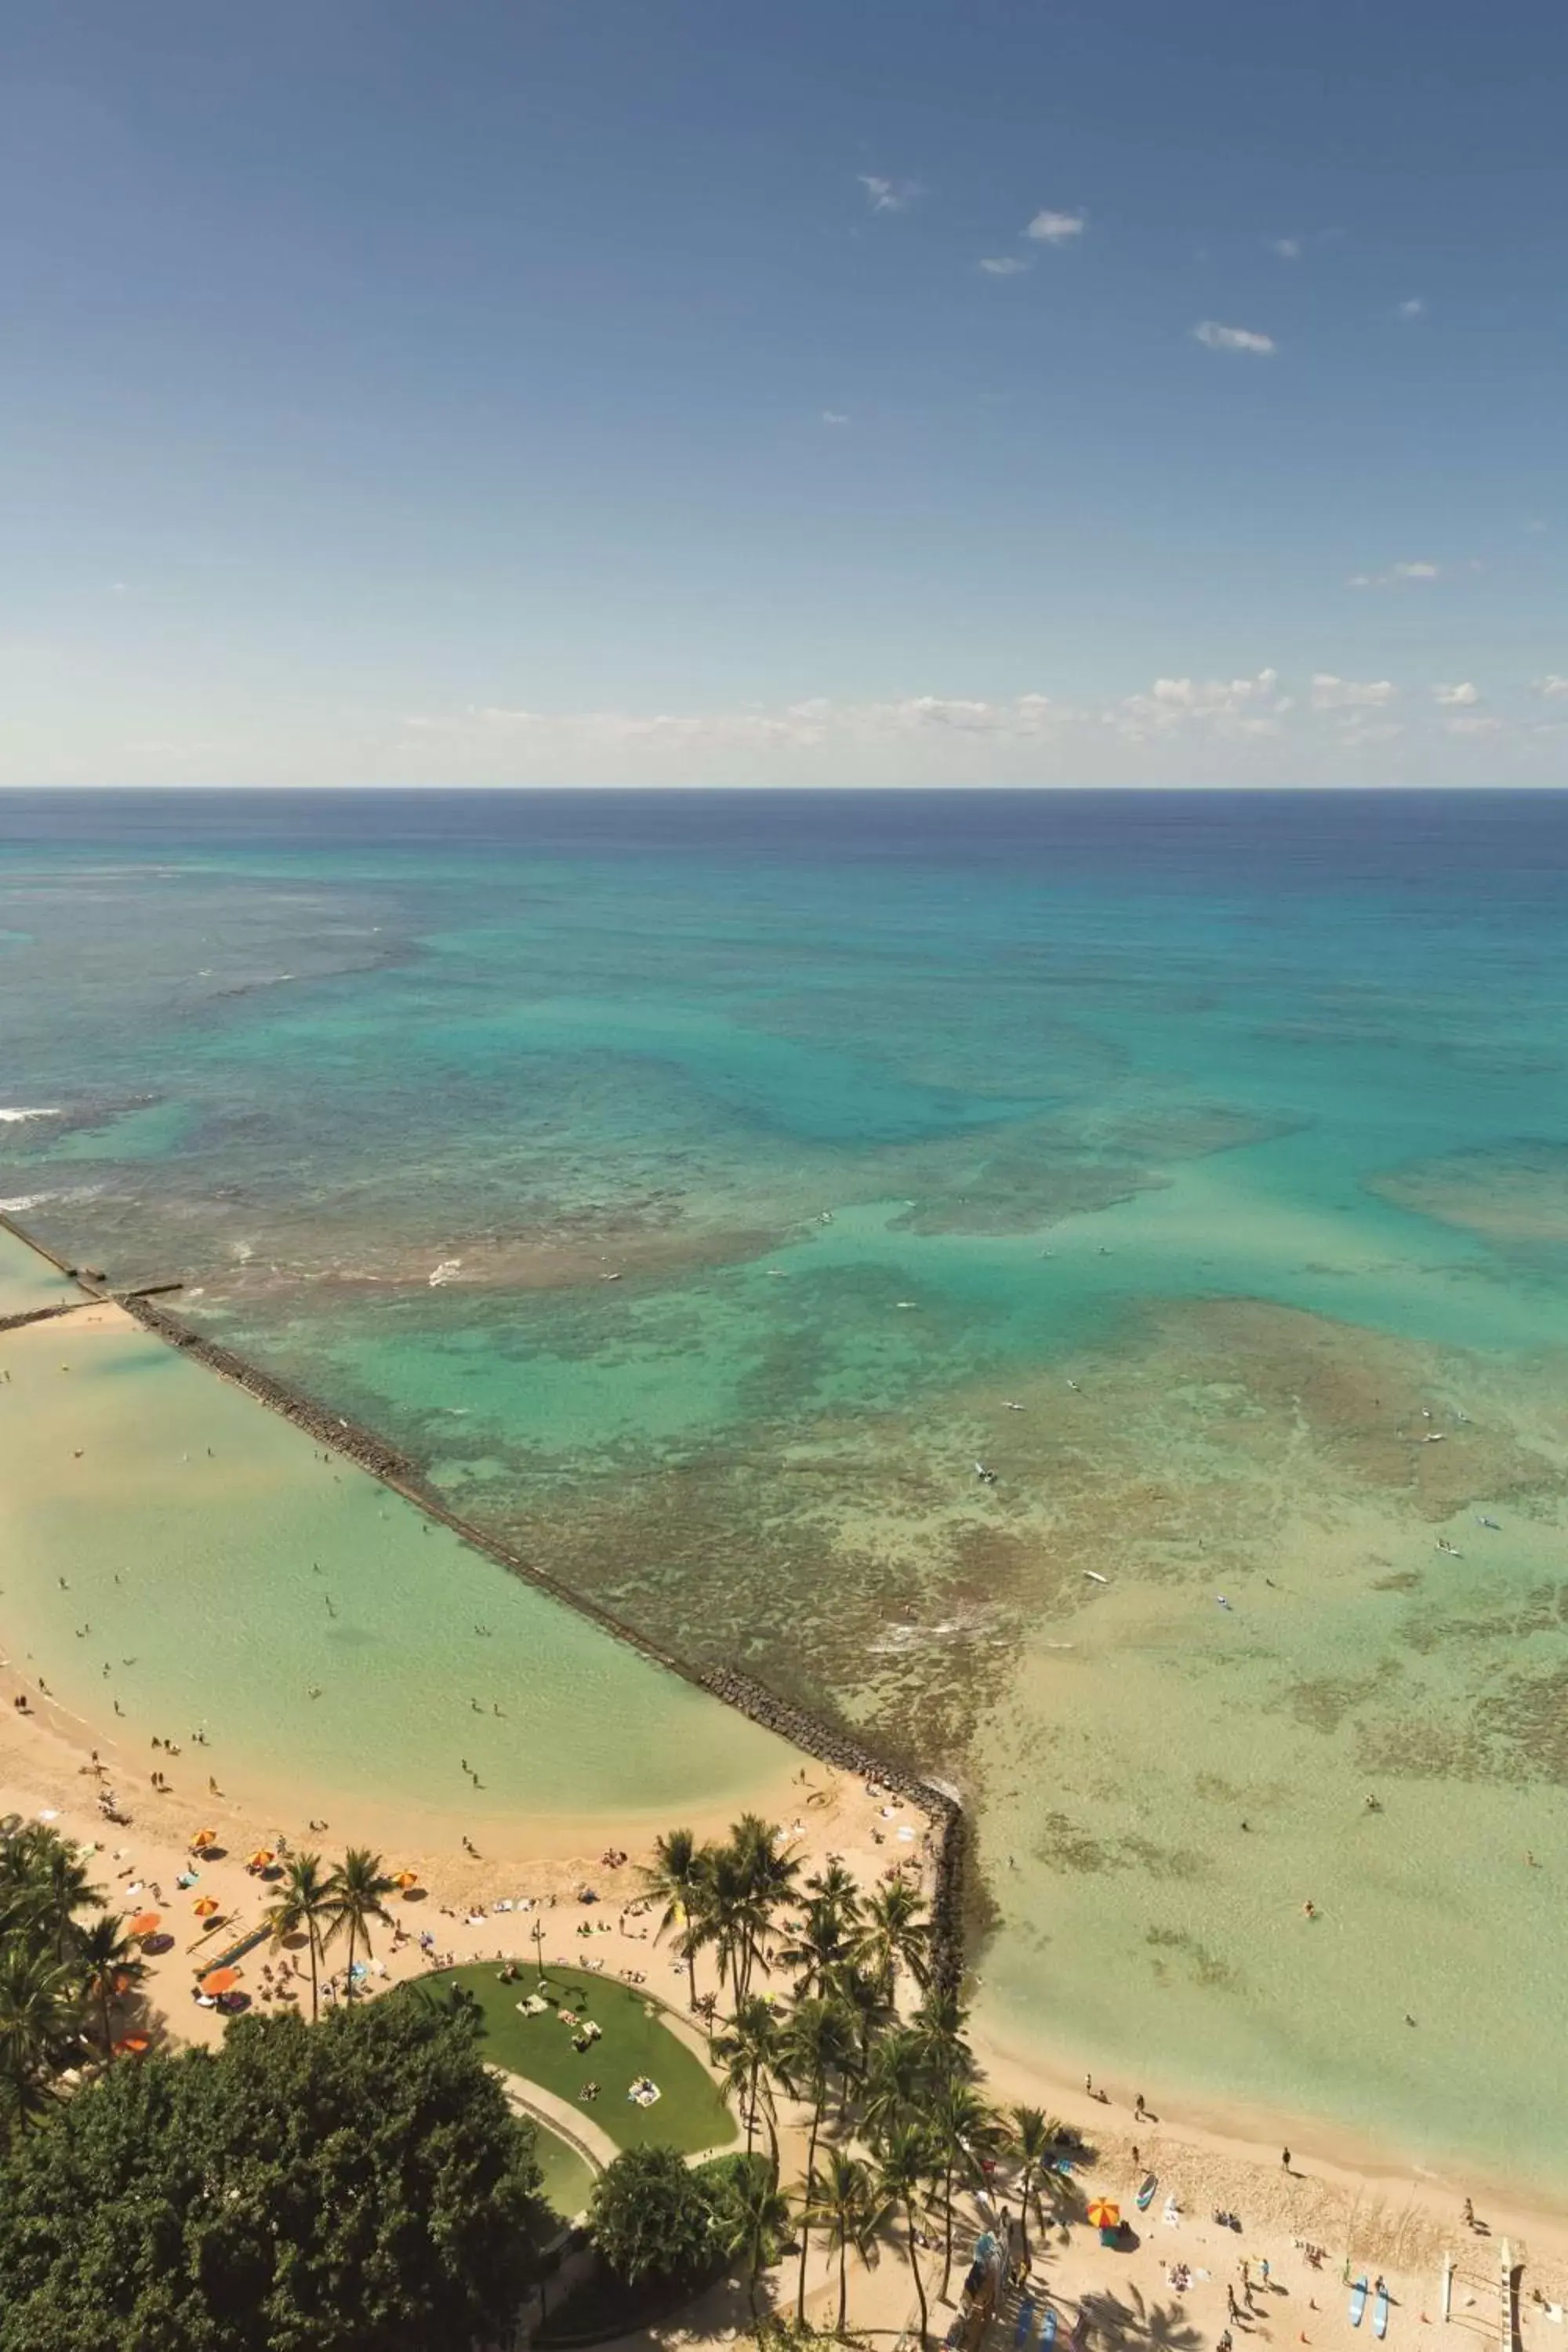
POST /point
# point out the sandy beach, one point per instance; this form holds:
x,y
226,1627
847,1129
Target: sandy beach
x,y
1401,2224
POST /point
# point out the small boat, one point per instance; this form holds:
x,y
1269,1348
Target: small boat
x,y
1358,2302
1095,1574
1047,2331
1146,2192
1380,2311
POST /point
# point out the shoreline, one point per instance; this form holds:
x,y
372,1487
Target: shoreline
x,y
1220,2137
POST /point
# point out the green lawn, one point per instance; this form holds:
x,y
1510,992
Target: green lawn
x,y
568,2177
691,2113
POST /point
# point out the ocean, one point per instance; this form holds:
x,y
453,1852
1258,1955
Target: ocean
x,y
1071,1284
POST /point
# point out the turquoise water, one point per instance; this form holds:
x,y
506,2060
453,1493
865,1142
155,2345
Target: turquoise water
x,y
1224,1137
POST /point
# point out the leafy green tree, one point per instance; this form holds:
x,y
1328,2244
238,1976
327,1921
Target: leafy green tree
x,y
108,1966
356,1894
896,2082
358,2183
676,1878
651,2217
906,2166
848,2204
305,1900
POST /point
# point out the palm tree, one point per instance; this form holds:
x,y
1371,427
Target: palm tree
x,y
820,2039
850,2206
965,2129
725,1915
305,1900
938,2025
744,2053
675,1878
829,1943
354,1897
870,2015
107,1964
897,2082
756,2228
43,1885
39,2008
906,2164
898,1934
768,1871
1031,2141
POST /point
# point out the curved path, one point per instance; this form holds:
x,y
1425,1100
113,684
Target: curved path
x,y
568,2122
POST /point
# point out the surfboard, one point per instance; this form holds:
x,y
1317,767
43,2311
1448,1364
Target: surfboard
x,y
1026,2326
1146,2193
1358,2302
1048,2330
1380,2313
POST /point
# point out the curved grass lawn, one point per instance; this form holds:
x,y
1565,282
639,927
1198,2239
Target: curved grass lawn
x,y
690,2115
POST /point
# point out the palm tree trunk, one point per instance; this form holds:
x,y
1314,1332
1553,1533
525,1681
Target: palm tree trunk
x,y
692,1966
843,2278
349,1975
1024,2211
103,2015
947,2199
315,1997
914,2266
810,2186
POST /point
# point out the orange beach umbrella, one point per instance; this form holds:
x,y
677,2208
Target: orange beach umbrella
x,y
1104,2215
220,1980
261,1859
204,1905
144,1924
406,1879
132,2046
204,1837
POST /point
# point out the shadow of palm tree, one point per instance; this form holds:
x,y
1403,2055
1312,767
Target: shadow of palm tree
x,y
1127,2318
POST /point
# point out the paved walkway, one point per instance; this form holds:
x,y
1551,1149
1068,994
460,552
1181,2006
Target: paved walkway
x,y
591,2142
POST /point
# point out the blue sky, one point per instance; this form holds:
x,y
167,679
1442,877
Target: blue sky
x,y
542,391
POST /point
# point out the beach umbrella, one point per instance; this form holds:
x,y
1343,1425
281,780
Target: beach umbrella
x,y
204,1905
1104,2215
220,1980
204,1837
132,2046
406,1879
261,1859
144,1924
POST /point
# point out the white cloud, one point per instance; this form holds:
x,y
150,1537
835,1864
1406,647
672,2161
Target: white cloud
x,y
888,195
1004,266
834,416
1394,575
1555,688
1288,248
1330,693
1056,228
1233,339
1415,307
1455,697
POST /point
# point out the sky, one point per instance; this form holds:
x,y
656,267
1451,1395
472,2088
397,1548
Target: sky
x,y
784,392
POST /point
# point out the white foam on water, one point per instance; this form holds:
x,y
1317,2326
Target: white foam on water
x,y
11,1118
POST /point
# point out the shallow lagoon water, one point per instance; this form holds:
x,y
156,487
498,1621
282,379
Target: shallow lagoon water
x,y
1171,1122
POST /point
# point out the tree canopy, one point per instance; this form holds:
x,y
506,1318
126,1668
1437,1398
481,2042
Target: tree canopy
x,y
652,2217
360,2185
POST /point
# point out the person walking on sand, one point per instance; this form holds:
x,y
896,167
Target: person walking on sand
x,y
1138,2108
1285,2160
